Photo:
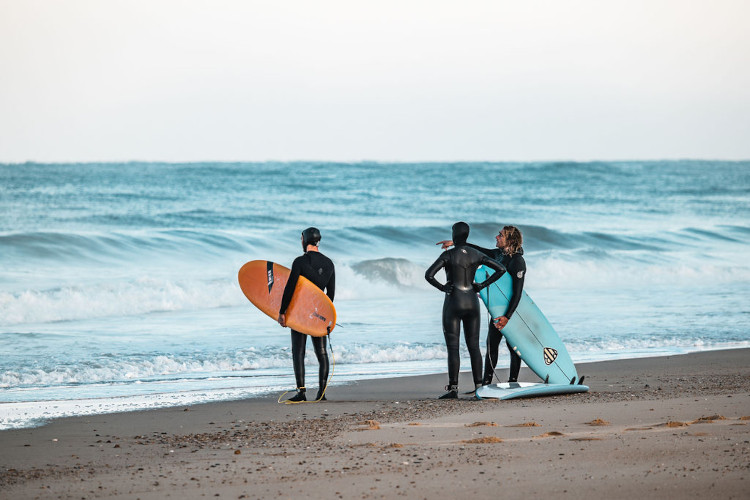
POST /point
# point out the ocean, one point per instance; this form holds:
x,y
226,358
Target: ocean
x,y
118,281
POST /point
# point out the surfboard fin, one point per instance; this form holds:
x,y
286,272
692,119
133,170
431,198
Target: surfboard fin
x,y
580,380
573,381
546,380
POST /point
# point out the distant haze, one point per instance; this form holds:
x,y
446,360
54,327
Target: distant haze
x,y
186,80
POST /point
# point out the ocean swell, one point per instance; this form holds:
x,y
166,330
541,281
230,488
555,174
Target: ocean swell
x,y
107,299
400,272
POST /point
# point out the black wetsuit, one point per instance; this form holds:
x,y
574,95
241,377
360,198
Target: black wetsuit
x,y
461,303
516,266
319,269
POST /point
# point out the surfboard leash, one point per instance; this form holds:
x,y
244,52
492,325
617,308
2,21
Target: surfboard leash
x,y
489,356
333,367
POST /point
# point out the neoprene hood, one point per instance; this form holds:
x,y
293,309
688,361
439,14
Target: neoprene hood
x,y
310,236
460,233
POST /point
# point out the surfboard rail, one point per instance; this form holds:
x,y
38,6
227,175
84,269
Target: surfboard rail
x,y
514,390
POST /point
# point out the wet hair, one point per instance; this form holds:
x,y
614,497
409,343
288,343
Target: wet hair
x,y
513,239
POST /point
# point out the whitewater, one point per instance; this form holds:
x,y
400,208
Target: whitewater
x,y
118,286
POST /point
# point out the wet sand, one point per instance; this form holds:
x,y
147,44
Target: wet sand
x,y
674,426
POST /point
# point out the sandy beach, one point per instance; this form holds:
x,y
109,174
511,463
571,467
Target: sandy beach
x,y
657,427
151,150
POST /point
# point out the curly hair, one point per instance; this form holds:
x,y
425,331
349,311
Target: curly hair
x,y
513,239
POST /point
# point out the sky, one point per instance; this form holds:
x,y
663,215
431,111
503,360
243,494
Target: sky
x,y
350,80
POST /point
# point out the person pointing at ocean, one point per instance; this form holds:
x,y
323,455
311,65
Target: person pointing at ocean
x,y
461,304
319,269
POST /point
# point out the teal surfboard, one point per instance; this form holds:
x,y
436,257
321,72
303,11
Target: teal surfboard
x,y
513,390
529,332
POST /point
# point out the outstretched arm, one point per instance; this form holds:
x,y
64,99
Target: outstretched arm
x,y
489,252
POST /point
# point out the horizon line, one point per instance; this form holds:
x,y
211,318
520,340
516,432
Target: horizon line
x,y
369,161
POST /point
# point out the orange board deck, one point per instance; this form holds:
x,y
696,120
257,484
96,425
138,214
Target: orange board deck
x,y
310,312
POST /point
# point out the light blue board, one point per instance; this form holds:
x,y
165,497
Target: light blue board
x,y
512,390
529,332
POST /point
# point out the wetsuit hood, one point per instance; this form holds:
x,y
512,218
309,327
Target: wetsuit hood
x,y
460,233
310,236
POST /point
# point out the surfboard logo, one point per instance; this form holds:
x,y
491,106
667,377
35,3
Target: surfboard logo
x,y
315,314
269,269
550,355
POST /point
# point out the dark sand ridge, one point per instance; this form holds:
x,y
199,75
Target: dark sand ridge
x,y
653,427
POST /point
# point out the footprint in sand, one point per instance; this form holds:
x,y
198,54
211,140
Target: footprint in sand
x,y
674,423
369,425
550,434
483,440
597,421
708,420
363,445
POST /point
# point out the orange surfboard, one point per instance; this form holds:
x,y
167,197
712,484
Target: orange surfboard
x,y
310,312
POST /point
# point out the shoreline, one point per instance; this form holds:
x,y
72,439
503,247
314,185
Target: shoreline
x,y
386,437
155,401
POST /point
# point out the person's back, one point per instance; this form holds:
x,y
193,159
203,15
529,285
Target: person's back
x,y
509,253
461,304
462,262
319,269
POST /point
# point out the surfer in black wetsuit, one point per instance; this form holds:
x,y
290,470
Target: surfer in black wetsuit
x,y
461,303
319,269
509,253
